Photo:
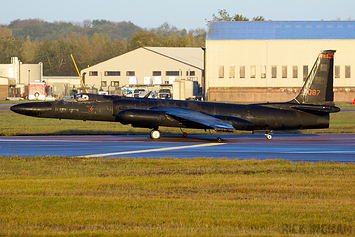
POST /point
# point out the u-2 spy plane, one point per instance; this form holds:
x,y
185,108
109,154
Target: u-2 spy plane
x,y
309,110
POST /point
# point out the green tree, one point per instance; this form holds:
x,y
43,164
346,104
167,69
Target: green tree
x,y
238,17
30,50
81,50
223,15
9,47
64,65
34,31
143,39
100,22
258,18
118,47
100,46
90,43
56,59
46,54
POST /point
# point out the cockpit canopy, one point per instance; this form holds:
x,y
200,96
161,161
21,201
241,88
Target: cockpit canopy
x,y
87,97
79,98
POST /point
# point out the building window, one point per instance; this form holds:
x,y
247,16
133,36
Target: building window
x,y
305,72
93,73
103,83
242,71
347,71
231,71
157,73
221,72
112,73
172,73
337,71
252,71
274,71
130,73
263,71
192,73
294,71
115,83
284,71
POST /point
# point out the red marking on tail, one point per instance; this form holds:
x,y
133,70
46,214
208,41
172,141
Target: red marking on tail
x,y
326,56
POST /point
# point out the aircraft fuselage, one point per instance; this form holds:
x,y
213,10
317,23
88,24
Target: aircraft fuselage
x,y
268,116
310,109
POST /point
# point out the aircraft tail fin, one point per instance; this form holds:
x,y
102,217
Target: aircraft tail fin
x,y
318,88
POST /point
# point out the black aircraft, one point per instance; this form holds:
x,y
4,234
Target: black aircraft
x,y
309,110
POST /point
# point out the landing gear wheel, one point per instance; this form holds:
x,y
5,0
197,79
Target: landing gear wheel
x,y
268,136
184,134
217,138
155,134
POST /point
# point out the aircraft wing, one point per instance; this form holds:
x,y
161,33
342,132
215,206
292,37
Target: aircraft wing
x,y
204,120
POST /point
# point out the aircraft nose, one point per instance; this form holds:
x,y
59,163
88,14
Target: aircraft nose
x,y
32,109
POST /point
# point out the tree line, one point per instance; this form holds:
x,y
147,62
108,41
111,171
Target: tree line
x,y
223,15
34,41
91,42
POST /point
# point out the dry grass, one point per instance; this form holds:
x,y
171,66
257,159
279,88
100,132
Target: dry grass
x,y
172,197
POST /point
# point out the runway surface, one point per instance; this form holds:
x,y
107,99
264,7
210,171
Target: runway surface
x,y
294,147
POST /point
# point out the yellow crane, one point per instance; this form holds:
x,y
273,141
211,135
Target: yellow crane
x,y
82,82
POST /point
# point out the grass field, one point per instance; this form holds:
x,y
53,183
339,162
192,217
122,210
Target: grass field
x,y
171,197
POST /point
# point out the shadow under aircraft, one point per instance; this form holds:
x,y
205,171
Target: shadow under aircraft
x,y
309,110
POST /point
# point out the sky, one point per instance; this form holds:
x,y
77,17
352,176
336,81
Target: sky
x,y
183,14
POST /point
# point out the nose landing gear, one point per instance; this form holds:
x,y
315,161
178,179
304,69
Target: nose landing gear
x,y
265,132
155,134
268,136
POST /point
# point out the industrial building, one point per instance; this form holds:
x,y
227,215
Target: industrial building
x,y
16,76
269,60
151,67
62,86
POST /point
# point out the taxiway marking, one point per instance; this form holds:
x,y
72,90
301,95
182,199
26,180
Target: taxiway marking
x,y
151,150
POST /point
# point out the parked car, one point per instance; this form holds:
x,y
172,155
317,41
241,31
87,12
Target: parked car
x,y
164,94
139,93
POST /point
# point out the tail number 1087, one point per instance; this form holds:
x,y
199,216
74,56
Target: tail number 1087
x,y
313,92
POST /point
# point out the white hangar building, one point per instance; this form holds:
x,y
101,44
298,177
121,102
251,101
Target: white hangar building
x,y
146,66
269,60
